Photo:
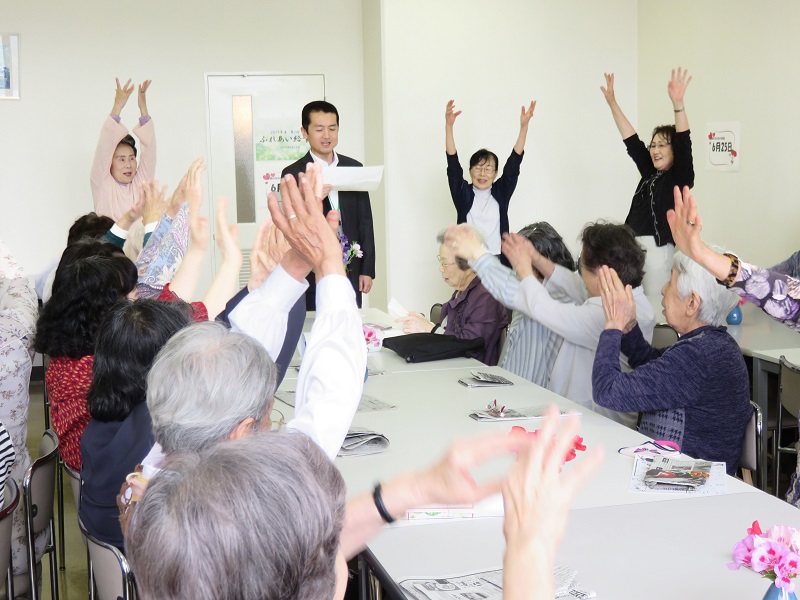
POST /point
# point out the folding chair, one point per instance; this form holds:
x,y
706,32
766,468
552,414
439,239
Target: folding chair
x,y
750,458
788,409
110,570
38,490
664,335
10,503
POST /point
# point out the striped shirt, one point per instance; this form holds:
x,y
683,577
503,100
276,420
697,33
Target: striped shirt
x,y
7,456
531,348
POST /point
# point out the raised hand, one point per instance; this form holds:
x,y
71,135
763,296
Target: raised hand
x,y
198,223
686,225
121,96
132,214
464,242
450,114
537,498
301,221
677,86
143,96
227,236
178,198
618,303
526,115
520,253
608,90
154,203
450,481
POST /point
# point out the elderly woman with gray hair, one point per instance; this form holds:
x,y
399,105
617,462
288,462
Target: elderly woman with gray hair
x,y
199,533
695,392
472,312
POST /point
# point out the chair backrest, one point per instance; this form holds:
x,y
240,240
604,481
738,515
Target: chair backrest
x,y
112,573
750,457
75,483
789,386
39,484
10,502
664,335
436,313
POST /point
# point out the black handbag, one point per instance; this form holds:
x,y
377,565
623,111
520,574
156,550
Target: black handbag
x,y
424,347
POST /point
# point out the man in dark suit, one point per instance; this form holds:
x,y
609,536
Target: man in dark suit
x,y
321,130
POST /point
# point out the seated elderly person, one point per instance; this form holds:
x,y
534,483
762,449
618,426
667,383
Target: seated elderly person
x,y
193,400
198,523
531,348
18,311
470,313
580,321
695,392
775,292
120,434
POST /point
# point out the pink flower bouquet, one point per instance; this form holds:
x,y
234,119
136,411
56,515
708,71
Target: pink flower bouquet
x,y
773,554
373,338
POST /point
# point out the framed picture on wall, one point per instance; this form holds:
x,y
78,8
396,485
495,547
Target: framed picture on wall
x,y
9,66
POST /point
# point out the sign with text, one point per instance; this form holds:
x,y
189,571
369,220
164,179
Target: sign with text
x,y
724,146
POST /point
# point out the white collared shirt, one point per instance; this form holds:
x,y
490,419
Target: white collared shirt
x,y
333,195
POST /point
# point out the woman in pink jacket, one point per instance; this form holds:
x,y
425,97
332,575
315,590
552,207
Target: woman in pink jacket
x,y
116,175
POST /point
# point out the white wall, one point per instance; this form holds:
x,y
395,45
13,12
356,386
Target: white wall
x,y
69,57
743,57
492,58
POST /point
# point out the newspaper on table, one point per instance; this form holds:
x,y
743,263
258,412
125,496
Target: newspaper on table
x,y
661,474
360,441
487,585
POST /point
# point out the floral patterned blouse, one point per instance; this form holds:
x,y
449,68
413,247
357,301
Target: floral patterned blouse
x,y
776,294
18,312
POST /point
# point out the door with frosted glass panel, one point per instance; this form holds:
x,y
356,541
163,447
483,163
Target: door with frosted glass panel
x,y
253,133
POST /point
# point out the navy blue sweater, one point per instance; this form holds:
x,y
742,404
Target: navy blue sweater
x,y
463,195
695,393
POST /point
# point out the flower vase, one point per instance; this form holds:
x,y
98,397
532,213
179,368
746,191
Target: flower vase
x,y
735,316
776,593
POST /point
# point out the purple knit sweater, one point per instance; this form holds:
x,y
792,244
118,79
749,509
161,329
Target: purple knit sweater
x,y
695,393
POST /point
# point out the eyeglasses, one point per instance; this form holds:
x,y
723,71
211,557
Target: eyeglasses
x,y
485,169
444,264
659,145
276,425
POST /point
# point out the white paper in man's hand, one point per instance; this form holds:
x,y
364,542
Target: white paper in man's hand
x,y
354,179
396,310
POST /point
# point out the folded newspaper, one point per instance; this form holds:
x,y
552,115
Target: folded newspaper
x,y
487,585
360,442
671,474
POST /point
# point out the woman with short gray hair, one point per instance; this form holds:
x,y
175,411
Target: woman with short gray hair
x,y
695,392
264,517
229,523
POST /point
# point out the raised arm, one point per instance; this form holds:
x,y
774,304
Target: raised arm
x,y
686,226
332,372
620,120
227,277
447,482
676,90
121,96
524,258
142,96
450,115
537,499
524,119
185,281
